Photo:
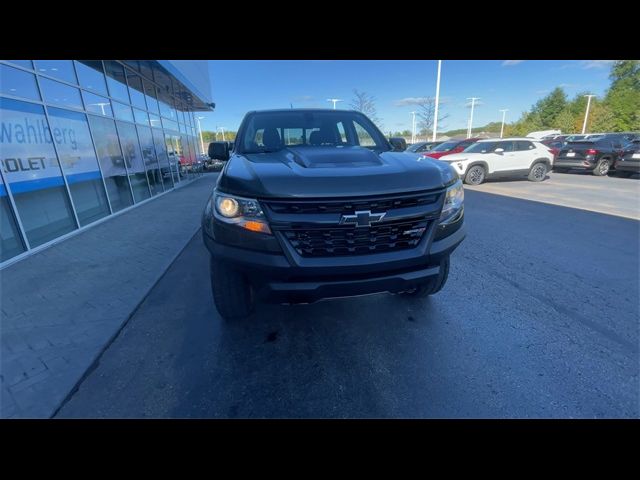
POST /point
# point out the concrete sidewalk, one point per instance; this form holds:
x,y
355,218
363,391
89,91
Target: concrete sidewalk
x,y
62,306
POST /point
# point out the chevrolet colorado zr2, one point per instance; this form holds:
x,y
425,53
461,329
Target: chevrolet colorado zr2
x,y
315,204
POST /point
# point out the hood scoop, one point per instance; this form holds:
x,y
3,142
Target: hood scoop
x,y
331,157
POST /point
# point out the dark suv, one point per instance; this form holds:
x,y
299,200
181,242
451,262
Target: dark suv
x,y
595,153
314,204
628,162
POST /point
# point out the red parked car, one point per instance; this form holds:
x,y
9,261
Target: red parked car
x,y
451,146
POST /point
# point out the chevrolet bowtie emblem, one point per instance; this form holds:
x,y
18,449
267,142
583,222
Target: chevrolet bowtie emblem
x,y
362,218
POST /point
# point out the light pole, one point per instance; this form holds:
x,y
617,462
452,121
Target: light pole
x,y
435,117
222,130
334,100
200,130
413,128
504,112
473,102
586,115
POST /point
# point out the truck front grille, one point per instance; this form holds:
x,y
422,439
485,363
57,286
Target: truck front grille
x,y
348,240
349,206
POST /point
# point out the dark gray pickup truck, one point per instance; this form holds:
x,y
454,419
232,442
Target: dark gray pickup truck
x,y
315,204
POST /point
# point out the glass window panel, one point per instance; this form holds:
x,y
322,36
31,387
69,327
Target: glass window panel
x,y
145,69
174,153
141,116
18,83
59,94
150,93
169,125
32,172
105,137
22,63
116,81
150,160
166,111
133,64
10,239
62,69
134,160
91,75
122,112
163,159
79,164
136,91
155,120
97,104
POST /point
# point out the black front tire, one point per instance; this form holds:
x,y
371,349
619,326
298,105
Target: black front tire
x,y
538,172
434,285
232,293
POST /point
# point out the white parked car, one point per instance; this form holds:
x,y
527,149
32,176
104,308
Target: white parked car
x,y
504,157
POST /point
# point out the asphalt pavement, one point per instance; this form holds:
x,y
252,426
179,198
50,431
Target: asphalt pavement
x,y
577,189
539,319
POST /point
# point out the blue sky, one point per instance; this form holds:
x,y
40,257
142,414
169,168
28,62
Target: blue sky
x,y
243,85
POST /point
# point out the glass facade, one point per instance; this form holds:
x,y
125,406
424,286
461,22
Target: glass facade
x,y
82,139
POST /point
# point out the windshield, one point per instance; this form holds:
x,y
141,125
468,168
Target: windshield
x,y
273,131
481,147
414,147
574,138
446,146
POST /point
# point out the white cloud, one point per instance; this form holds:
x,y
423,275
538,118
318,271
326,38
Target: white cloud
x,y
410,101
511,63
404,102
587,64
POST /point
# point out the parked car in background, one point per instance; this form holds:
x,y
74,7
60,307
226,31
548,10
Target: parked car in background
x,y
574,138
422,147
555,144
450,147
506,157
628,162
542,134
594,153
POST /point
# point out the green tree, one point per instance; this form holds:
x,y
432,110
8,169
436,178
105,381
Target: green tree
x,y
601,118
623,97
549,107
565,121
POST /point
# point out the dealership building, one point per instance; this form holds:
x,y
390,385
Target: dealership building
x,y
81,140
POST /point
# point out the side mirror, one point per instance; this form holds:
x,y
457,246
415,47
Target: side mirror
x,y
219,151
399,144
499,151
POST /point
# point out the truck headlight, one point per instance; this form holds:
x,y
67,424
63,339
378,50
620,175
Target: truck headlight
x,y
243,212
453,203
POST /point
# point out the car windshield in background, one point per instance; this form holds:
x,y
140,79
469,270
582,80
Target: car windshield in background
x,y
574,138
273,131
481,147
415,147
445,147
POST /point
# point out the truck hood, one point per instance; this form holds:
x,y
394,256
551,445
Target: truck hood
x,y
318,172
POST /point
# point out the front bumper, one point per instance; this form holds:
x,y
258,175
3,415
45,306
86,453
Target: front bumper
x,y
283,278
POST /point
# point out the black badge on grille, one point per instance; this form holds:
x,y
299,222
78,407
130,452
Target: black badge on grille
x,y
362,218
